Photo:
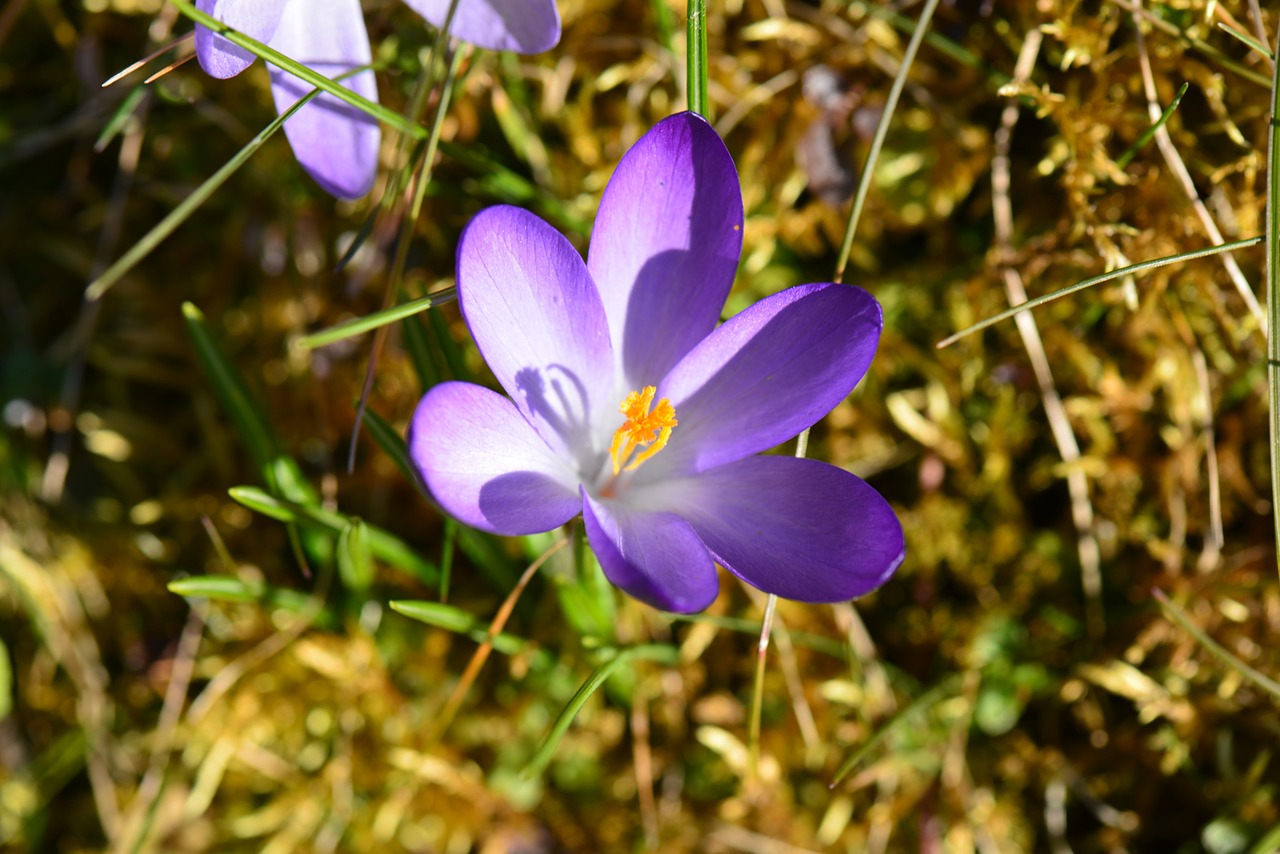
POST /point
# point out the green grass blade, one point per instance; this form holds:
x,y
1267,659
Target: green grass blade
x,y
882,131
1246,38
384,545
227,588
370,322
355,559
187,207
383,114
660,653
458,621
1123,160
1273,293
1220,652
696,50
391,443
120,117
280,471
1132,269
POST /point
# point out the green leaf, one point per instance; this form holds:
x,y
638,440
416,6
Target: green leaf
x,y
383,545
458,621
661,653
228,588
355,561
370,322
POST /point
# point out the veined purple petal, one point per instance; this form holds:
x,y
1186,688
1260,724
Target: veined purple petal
x,y
486,465
523,26
799,528
257,19
536,317
666,244
655,557
334,141
768,373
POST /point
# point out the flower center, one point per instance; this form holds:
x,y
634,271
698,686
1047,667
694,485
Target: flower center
x,y
644,428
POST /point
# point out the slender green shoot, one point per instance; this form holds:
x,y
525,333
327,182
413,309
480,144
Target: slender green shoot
x,y
1132,269
1180,617
661,653
370,322
664,24
696,55
882,131
1253,43
1273,292
1123,160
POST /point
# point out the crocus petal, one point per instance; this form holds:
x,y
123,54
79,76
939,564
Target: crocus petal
x,y
336,143
537,319
655,557
486,466
523,26
666,244
257,19
799,528
768,373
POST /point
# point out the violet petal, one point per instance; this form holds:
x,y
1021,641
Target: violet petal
x,y
335,142
768,373
799,528
665,245
523,26
537,319
655,557
257,19
486,466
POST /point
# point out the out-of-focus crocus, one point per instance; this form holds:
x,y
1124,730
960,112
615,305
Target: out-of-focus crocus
x,y
334,141
630,406
523,26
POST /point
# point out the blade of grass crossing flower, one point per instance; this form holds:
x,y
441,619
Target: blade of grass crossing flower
x,y
370,322
267,54
882,131
1220,652
1123,160
696,56
187,206
1140,267
1273,292
383,545
660,653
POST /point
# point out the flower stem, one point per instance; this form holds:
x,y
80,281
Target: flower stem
x,y
696,51
1273,298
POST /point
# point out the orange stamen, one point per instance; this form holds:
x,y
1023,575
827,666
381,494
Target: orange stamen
x,y
650,428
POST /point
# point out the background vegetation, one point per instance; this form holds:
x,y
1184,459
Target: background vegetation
x,y
1017,686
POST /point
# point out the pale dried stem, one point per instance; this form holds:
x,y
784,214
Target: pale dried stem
x,y
643,758
481,655
1059,425
1179,169
1213,543
134,826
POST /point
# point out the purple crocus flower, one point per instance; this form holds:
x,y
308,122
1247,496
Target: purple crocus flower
x,y
335,142
523,26
630,406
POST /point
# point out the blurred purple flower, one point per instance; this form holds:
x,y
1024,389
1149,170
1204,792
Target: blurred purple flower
x,y
628,405
335,142
523,26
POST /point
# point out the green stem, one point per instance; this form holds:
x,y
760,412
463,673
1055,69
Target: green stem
x,y
696,50
1273,297
302,72
882,131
